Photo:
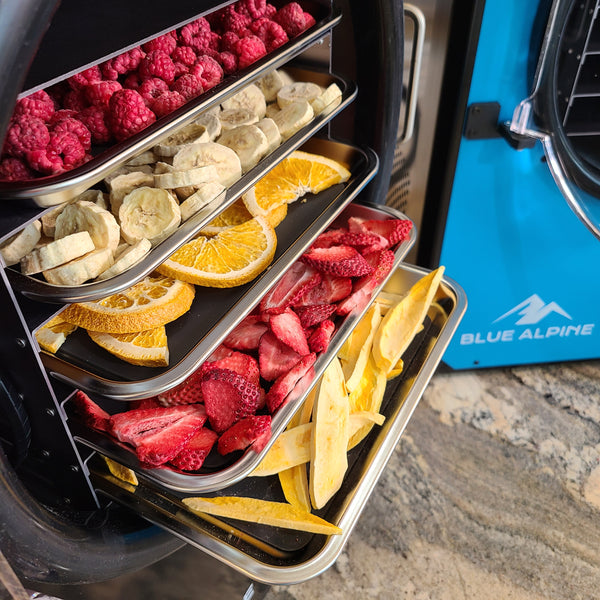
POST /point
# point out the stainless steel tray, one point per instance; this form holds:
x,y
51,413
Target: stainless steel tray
x,y
279,556
36,288
52,190
220,472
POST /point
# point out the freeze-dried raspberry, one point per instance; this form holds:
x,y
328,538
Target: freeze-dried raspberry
x,y
94,118
249,50
63,113
98,94
25,134
132,81
157,64
14,169
128,114
189,31
271,33
75,100
229,62
79,80
39,104
199,36
208,71
270,11
166,103
184,54
67,145
231,20
167,43
122,64
228,41
188,86
293,19
180,69
78,128
152,88
48,163
253,8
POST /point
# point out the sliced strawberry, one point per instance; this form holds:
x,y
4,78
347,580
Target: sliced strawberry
x,y
287,328
188,392
153,402
321,337
393,230
246,334
360,240
355,302
241,363
343,261
244,433
228,397
331,289
284,385
92,415
313,315
194,453
331,237
297,281
275,357
220,352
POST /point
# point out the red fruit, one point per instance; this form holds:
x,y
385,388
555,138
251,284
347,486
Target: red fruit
x,y
314,314
166,103
331,289
287,328
246,334
249,49
332,237
63,152
94,118
243,364
220,352
124,63
274,357
92,415
298,280
147,403
284,385
293,19
184,54
271,33
39,104
321,337
343,261
229,62
190,32
208,71
152,88
128,114
75,100
76,127
253,431
361,240
167,43
231,20
85,78
188,392
61,115
157,64
26,133
98,94
228,397
14,169
228,41
393,230
253,8
194,453
188,86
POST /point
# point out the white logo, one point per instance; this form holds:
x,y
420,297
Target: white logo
x,y
533,310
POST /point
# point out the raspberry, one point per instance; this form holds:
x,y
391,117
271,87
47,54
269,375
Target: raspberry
x,y
231,20
202,40
157,64
48,163
249,50
98,94
192,29
152,88
184,54
270,11
132,81
75,100
39,104
208,71
67,144
167,43
229,61
14,169
188,86
60,115
78,128
293,19
228,41
166,103
79,80
122,64
94,118
253,8
271,33
26,133
128,114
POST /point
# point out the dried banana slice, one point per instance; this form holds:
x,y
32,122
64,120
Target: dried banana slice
x,y
190,134
298,91
124,183
249,97
22,243
145,158
235,117
226,161
126,258
248,142
330,98
205,194
270,84
57,253
80,269
293,117
271,131
211,122
177,179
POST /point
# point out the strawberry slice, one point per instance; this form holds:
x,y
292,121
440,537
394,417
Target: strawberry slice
x,y
254,430
275,357
220,352
153,402
91,414
194,453
331,237
241,363
331,289
287,328
297,281
393,230
246,334
314,314
321,337
362,239
343,261
284,385
188,392
228,397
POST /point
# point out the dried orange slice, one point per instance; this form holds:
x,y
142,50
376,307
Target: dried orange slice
x,y
145,348
53,334
294,177
153,301
235,214
232,257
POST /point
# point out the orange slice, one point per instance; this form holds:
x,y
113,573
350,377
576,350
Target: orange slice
x,y
235,214
152,302
232,257
53,334
294,177
145,348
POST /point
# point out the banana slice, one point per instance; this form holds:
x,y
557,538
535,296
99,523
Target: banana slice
x,y
248,142
293,117
330,98
124,170
298,91
226,161
193,177
57,253
190,134
249,97
272,110
211,122
87,216
270,84
126,258
124,183
205,194
235,117
22,243
271,131
144,158
150,213
81,269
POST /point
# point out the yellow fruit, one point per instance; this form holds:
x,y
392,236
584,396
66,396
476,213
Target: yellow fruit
x,y
145,348
235,214
53,334
277,215
120,472
295,176
232,257
153,301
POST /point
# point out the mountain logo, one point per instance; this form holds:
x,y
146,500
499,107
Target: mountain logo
x,y
533,310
